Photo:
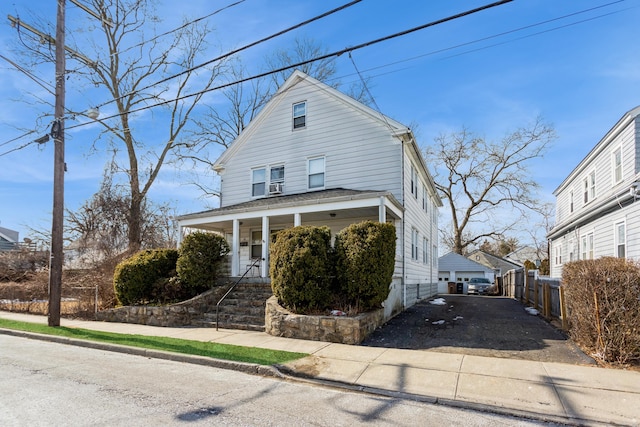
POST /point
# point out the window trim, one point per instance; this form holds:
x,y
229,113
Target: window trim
x,y
617,168
414,244
324,173
294,116
587,246
264,182
425,251
616,238
589,187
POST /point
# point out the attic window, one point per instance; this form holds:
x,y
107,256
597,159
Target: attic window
x,y
299,115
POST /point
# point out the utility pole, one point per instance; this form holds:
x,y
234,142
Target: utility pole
x,y
57,132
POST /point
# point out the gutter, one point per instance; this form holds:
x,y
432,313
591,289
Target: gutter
x,y
619,200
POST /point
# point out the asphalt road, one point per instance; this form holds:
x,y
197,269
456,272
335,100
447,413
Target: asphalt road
x,y
477,325
49,384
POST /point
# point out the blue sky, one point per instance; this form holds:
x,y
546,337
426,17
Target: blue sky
x,y
490,72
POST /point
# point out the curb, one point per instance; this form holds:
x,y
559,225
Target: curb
x,y
248,368
285,373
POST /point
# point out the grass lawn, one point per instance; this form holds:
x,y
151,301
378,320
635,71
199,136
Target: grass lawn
x,y
236,353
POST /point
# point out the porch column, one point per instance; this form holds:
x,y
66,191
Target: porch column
x,y
235,249
297,219
180,237
382,211
266,237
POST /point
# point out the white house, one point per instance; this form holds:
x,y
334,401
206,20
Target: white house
x,y
598,204
459,269
314,156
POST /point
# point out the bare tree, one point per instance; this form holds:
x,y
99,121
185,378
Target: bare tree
x,y
135,70
486,185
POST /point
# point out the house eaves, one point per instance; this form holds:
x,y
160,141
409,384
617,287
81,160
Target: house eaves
x,y
624,121
396,129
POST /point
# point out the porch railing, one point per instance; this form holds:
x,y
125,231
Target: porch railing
x,y
255,263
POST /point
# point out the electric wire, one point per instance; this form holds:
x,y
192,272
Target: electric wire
x,y
319,58
186,24
233,52
17,138
39,81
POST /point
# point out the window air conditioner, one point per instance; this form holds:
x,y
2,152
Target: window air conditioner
x,y
275,188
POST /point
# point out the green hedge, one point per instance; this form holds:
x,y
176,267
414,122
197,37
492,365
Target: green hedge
x,y
200,257
300,268
365,255
602,298
136,277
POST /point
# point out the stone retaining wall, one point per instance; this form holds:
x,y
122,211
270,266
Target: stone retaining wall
x,y
340,329
174,315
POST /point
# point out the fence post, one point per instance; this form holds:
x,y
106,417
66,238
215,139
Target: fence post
x,y
535,294
546,300
563,309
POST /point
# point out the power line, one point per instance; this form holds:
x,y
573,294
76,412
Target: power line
x,y
319,58
17,138
233,52
186,24
48,87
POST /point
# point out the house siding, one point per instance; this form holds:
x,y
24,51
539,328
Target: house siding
x,y
359,147
613,201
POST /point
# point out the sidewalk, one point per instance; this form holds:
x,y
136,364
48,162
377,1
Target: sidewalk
x,y
581,395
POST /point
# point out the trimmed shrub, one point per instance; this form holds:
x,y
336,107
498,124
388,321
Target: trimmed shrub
x,y
604,308
365,257
300,270
200,257
135,278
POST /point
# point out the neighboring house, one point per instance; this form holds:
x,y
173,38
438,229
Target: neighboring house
x,y
314,156
457,268
9,239
598,204
497,264
525,253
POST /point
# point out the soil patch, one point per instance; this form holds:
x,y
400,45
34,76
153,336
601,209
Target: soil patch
x,y
477,325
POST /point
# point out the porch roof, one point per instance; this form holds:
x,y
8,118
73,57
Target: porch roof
x,y
316,201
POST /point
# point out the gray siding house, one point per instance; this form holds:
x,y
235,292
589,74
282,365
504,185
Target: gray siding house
x,y
314,156
598,204
8,239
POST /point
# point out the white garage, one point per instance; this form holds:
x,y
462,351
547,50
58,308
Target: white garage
x,y
459,269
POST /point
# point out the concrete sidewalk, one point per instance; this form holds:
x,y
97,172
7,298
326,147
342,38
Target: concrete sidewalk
x,y
581,395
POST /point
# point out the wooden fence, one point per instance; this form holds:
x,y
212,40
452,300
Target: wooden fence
x,y
545,294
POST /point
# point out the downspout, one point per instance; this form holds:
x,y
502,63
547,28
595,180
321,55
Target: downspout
x,y
404,255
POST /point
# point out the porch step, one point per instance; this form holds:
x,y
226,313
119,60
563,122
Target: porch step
x,y
244,308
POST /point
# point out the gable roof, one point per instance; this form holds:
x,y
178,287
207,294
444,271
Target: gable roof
x,y
9,235
494,261
624,121
456,262
396,129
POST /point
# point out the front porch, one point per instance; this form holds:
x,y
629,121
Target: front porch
x,y
246,225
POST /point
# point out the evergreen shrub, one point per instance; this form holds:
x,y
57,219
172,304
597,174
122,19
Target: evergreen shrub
x,y
300,268
365,261
135,278
200,257
603,302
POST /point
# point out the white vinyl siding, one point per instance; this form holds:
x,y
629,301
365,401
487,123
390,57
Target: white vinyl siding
x,y
359,152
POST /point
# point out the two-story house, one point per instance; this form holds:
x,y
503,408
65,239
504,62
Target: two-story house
x,y
598,204
314,156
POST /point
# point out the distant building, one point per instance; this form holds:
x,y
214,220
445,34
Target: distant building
x,y
497,264
9,239
525,253
453,267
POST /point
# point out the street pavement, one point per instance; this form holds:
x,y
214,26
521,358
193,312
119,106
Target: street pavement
x,y
557,392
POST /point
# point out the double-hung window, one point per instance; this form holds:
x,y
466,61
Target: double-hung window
x,y
589,187
299,115
587,246
414,182
414,244
617,165
621,239
425,250
316,172
258,182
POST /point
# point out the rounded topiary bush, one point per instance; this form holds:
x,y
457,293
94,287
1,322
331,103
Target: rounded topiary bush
x,y
135,278
200,258
300,268
365,257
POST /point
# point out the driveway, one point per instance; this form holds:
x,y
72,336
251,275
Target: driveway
x,y
477,325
